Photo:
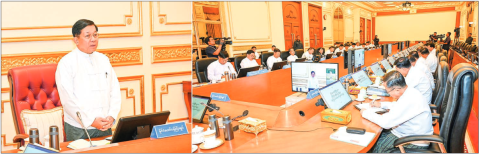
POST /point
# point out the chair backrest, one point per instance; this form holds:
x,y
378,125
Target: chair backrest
x,y
34,88
237,61
265,57
456,106
299,53
284,55
439,55
439,91
201,69
442,58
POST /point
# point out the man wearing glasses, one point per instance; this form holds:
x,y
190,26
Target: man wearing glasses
x,y
409,115
87,84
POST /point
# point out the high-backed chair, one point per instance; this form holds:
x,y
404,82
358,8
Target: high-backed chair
x,y
201,69
237,61
456,107
284,55
265,57
439,91
299,53
32,88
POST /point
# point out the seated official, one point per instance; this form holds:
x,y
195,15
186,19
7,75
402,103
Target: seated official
x,y
274,58
87,83
431,61
272,49
370,45
421,59
212,51
413,56
257,54
292,57
352,47
321,52
312,82
359,46
341,48
249,61
308,54
331,50
409,115
415,78
216,69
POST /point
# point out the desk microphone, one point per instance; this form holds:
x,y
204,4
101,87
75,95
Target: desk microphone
x,y
245,113
84,128
216,108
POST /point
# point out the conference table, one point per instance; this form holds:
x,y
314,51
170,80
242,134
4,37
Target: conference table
x,y
175,144
288,131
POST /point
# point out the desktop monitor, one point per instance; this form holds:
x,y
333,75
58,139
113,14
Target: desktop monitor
x,y
335,96
361,78
198,107
385,64
278,65
359,58
243,71
138,126
389,49
302,80
300,60
377,70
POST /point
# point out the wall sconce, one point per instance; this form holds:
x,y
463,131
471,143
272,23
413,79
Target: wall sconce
x,y
470,24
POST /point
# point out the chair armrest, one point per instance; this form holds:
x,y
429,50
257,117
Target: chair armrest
x,y
433,106
415,138
435,115
20,139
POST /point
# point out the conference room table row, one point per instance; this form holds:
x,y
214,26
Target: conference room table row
x,y
288,131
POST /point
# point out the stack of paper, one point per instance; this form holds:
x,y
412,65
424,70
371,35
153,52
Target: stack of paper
x,y
367,106
343,136
82,143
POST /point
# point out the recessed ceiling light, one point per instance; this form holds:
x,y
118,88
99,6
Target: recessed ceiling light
x,y
388,2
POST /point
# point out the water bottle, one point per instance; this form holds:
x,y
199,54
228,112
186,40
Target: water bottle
x,y
212,121
228,128
54,138
33,137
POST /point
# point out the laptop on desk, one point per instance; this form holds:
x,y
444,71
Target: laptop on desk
x,y
243,71
278,65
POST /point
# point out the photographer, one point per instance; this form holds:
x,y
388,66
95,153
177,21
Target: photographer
x,y
434,37
446,43
212,51
469,39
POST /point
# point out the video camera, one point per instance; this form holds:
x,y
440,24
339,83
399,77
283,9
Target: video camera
x,y
226,40
441,36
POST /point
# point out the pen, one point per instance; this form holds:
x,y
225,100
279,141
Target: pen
x,y
371,104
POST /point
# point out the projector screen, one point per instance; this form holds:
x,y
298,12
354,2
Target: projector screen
x,y
414,27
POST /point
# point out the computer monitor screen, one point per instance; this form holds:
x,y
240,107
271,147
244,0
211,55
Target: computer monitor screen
x,y
385,64
278,65
127,126
198,107
243,71
361,78
35,148
308,76
389,49
359,58
335,96
391,60
377,70
345,59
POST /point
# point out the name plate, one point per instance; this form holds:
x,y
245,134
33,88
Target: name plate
x,y
312,94
345,77
169,130
219,97
252,73
286,66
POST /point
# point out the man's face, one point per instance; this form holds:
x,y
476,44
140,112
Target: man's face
x,y
341,47
292,52
313,74
254,49
448,35
413,63
222,60
434,34
332,49
424,55
469,35
403,71
251,56
393,92
310,51
87,41
273,48
211,41
276,54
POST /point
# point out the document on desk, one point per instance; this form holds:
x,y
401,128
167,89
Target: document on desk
x,y
367,106
343,136
82,143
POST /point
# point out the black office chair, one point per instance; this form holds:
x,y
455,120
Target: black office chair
x,y
456,107
201,69
284,55
264,58
299,53
237,61
439,91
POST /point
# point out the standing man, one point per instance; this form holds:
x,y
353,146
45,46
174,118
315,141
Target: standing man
x,y
312,82
274,58
249,61
469,39
446,43
297,44
272,49
212,51
376,40
87,84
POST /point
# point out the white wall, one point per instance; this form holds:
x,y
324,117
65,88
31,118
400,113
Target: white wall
x,y
414,26
148,42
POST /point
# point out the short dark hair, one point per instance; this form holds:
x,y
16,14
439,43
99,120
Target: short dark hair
x,y
415,54
449,33
394,78
341,44
207,39
223,54
331,47
276,50
80,25
312,72
363,44
402,62
253,47
412,58
434,32
431,45
250,52
291,49
311,48
425,51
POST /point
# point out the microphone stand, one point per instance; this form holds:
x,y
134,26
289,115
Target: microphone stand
x,y
84,128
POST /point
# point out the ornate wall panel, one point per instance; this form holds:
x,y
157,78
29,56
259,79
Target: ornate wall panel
x,y
167,86
171,53
165,19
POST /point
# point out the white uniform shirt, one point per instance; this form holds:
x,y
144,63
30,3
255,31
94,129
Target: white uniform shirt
x,y
292,58
424,69
339,50
422,61
271,60
246,63
408,116
371,45
432,61
216,70
418,80
307,55
312,82
351,47
87,83
257,55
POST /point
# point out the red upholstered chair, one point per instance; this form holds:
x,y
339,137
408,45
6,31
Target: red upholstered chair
x,y
34,88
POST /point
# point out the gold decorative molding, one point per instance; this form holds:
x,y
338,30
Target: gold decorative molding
x,y
69,36
171,53
5,90
142,89
161,33
162,88
131,91
117,56
129,21
424,6
3,102
128,97
162,75
248,47
5,141
166,92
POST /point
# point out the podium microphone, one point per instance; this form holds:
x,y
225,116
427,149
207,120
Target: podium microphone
x,y
214,108
84,128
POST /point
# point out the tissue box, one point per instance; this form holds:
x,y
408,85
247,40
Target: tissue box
x,y
336,116
373,78
354,90
252,125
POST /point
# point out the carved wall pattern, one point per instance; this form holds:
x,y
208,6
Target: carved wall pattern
x,y
171,53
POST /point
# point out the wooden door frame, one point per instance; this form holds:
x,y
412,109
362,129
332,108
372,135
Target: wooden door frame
x,y
301,23
363,31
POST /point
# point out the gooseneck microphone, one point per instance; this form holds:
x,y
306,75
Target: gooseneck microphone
x,y
216,108
84,128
